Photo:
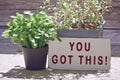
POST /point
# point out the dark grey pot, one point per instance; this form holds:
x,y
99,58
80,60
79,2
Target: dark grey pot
x,y
80,33
35,59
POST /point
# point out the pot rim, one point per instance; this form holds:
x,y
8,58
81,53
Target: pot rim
x,y
46,45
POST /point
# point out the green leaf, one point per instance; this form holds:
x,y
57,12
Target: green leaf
x,y
46,35
32,40
6,34
14,17
15,40
28,12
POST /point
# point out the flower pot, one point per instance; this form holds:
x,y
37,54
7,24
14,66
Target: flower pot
x,y
80,33
35,59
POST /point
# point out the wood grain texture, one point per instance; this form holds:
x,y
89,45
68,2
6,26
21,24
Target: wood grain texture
x,y
21,4
10,7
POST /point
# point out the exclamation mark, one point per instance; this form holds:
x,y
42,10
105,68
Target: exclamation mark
x,y
105,60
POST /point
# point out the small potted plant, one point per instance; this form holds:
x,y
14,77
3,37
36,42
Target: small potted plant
x,y
32,31
81,18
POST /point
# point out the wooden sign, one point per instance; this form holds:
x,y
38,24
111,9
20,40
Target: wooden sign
x,y
80,54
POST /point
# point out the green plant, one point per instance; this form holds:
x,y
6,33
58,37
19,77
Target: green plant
x,y
31,30
87,14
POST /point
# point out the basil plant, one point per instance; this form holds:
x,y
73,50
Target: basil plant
x,y
31,30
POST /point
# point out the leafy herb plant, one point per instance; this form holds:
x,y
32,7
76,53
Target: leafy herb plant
x,y
31,30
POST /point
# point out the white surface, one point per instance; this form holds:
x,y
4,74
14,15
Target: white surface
x,y
8,62
75,47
